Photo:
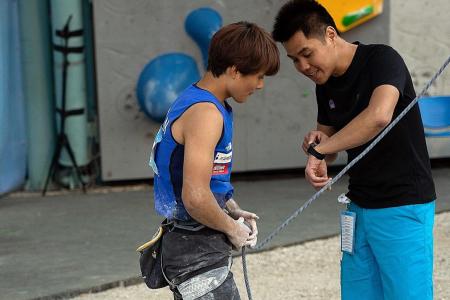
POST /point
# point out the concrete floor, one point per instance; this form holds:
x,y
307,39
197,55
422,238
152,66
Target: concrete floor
x,y
59,246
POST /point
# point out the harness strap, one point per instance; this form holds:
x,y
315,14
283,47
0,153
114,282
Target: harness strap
x,y
186,225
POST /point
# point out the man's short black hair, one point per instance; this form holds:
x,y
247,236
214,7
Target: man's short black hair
x,y
306,16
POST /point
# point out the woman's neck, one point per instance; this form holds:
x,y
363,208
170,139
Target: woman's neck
x,y
214,85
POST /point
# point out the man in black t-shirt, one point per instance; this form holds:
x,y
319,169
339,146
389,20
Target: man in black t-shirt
x,y
360,89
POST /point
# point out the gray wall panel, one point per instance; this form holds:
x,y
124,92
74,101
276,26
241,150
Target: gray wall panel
x,y
268,128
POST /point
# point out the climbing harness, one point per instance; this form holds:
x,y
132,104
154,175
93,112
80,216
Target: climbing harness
x,y
337,177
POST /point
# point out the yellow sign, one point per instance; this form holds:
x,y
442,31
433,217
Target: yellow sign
x,y
351,13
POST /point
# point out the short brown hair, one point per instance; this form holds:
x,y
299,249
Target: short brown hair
x,y
246,46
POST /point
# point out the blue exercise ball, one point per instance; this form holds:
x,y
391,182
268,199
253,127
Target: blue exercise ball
x,y
200,25
162,80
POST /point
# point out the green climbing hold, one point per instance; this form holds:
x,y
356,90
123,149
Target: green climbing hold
x,y
352,17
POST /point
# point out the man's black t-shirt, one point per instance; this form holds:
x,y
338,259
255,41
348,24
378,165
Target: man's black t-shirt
x,y
397,170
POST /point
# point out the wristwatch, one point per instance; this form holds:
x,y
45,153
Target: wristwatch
x,y
314,152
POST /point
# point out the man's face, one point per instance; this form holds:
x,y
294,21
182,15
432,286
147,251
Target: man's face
x,y
313,57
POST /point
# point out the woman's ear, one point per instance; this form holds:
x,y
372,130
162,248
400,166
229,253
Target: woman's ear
x,y
232,72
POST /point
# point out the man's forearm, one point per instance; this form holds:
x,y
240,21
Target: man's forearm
x,y
359,131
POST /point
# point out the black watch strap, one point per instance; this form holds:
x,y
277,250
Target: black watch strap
x,y
314,152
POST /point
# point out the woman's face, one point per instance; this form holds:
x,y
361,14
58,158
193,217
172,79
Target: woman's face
x,y
242,86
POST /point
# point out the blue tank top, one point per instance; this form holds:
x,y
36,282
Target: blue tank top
x,y
167,157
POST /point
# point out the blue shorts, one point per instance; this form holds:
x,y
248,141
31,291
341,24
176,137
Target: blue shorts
x,y
393,254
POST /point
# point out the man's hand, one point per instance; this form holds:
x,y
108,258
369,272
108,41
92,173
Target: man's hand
x,y
239,235
314,136
318,136
250,218
316,172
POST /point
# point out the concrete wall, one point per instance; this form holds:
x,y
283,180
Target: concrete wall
x,y
268,129
420,31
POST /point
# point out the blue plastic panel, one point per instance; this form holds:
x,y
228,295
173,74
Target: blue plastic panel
x,y
13,150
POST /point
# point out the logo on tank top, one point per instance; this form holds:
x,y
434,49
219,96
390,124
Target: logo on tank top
x,y
331,104
229,147
220,169
223,158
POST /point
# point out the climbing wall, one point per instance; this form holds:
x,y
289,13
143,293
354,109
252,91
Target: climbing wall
x,y
268,128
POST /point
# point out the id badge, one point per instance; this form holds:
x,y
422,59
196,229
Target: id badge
x,y
348,221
